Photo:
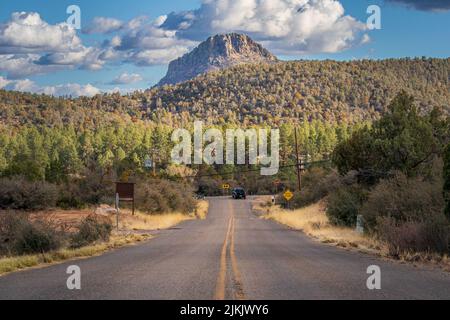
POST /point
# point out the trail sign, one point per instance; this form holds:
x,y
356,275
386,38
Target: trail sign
x,y
125,192
225,186
148,163
288,195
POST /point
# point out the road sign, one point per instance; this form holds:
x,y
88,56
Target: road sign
x,y
125,191
148,163
225,186
288,195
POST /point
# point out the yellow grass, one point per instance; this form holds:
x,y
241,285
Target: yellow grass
x,y
313,221
127,223
142,221
12,264
202,209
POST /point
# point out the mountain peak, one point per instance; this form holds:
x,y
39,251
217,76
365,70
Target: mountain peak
x,y
217,52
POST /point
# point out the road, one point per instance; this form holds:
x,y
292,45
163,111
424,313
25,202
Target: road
x,y
231,255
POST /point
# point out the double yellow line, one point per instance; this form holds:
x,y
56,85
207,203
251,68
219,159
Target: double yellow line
x,y
221,280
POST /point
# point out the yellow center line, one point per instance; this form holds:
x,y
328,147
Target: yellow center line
x,y
239,293
221,280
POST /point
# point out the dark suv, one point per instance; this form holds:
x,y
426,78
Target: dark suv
x,y
239,193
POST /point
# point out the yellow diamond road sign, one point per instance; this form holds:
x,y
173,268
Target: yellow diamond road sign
x,y
288,195
226,186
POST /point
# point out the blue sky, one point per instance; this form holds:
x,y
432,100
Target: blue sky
x,y
122,52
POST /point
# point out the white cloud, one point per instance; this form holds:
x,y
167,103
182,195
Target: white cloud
x,y
26,32
126,78
103,25
144,43
17,66
30,46
285,26
156,56
69,89
87,58
4,82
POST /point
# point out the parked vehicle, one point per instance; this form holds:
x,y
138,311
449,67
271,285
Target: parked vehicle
x,y
239,193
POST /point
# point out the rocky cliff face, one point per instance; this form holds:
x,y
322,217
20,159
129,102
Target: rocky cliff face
x,y
218,52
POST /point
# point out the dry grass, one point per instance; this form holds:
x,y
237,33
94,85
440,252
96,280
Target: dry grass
x,y
12,264
141,221
313,221
128,225
202,209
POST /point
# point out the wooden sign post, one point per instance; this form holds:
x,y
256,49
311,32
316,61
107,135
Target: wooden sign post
x,y
125,191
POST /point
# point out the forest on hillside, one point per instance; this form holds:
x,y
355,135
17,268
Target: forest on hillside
x,y
285,92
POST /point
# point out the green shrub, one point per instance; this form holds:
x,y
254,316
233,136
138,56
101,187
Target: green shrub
x,y
317,184
37,237
19,193
344,205
92,229
404,199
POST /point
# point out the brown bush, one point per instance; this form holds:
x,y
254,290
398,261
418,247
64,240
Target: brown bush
x,y
407,213
162,196
404,199
93,228
432,236
19,193
20,235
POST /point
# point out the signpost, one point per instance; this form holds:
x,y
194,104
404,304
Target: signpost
x,y
225,188
117,210
125,192
288,195
148,163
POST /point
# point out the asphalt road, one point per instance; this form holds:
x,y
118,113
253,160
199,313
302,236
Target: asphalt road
x,y
230,255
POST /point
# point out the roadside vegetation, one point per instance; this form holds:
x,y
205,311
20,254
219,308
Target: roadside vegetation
x,y
313,221
394,174
33,238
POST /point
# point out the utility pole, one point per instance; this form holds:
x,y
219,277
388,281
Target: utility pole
x,y
299,164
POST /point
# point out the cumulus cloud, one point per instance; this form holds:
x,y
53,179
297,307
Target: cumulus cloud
x,y
126,78
144,43
4,82
103,25
69,89
17,66
427,5
285,26
30,46
26,32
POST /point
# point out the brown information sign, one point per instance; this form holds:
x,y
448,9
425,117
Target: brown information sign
x,y
125,191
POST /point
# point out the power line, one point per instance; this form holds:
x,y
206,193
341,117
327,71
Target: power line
x,y
255,170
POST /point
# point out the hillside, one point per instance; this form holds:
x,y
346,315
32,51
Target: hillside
x,y
325,90
260,93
